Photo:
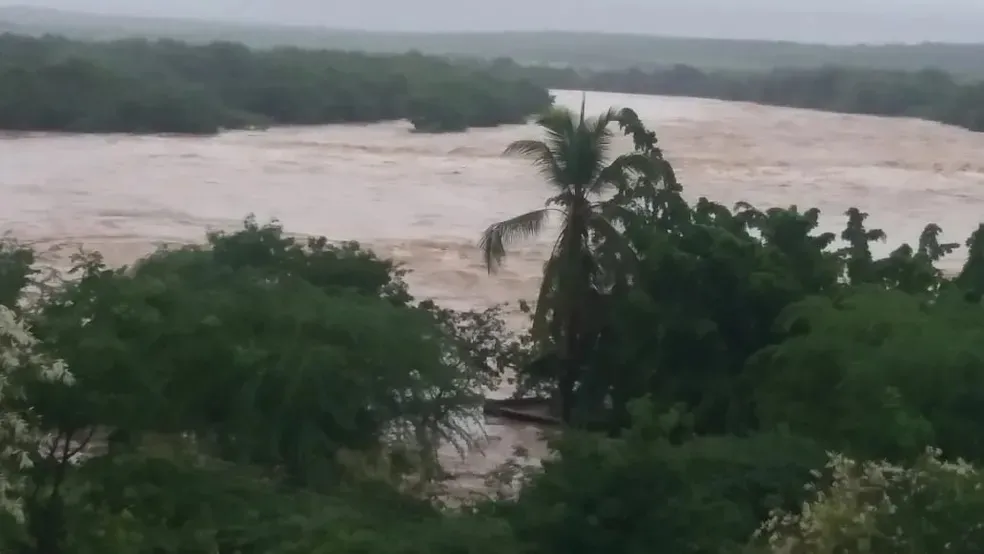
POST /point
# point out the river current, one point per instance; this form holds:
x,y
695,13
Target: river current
x,y
424,199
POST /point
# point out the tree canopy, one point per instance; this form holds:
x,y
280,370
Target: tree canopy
x,y
926,93
744,384
165,86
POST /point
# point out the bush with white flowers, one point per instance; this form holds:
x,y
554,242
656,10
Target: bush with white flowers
x,y
20,437
929,507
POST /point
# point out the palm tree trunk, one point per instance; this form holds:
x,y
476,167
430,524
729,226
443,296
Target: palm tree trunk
x,y
570,359
570,366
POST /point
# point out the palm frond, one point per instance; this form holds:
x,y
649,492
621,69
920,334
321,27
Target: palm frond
x,y
580,146
601,124
498,235
543,157
594,142
557,118
560,124
533,149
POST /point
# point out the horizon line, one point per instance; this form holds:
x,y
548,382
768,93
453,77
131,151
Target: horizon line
x,y
251,23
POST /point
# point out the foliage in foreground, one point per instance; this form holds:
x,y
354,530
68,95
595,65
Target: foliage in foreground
x,y
266,394
252,394
928,506
751,322
21,363
649,487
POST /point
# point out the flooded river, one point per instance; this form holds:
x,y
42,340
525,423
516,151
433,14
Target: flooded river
x,y
424,199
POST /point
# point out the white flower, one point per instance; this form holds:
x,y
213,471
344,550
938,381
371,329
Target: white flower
x,y
870,501
18,357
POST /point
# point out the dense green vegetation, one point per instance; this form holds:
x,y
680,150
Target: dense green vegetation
x,y
929,94
134,85
140,86
137,86
261,394
576,49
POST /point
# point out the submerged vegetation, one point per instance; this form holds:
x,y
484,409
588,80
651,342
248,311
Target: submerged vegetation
x,y
165,86
930,94
731,381
140,86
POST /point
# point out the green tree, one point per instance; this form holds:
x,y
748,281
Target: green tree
x,y
930,505
140,86
645,491
291,364
574,160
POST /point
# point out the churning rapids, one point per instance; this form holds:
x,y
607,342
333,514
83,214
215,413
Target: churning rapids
x,y
424,199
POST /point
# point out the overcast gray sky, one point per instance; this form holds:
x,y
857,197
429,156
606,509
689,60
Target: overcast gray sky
x,y
834,21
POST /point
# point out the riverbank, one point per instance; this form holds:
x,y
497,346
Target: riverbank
x,y
141,87
929,94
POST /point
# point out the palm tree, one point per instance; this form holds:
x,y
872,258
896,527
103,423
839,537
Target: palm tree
x,y
573,158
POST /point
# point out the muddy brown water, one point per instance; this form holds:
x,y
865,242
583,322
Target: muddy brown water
x,y
424,199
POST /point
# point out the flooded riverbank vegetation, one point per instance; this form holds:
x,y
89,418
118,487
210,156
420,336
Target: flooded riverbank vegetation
x,y
928,93
731,380
140,86
166,86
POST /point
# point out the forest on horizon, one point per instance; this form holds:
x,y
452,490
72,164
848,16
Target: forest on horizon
x,y
140,86
166,86
582,50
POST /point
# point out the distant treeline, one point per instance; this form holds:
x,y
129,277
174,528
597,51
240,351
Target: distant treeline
x,y
574,49
140,86
929,94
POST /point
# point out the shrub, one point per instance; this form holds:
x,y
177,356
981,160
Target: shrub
x,y
931,506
